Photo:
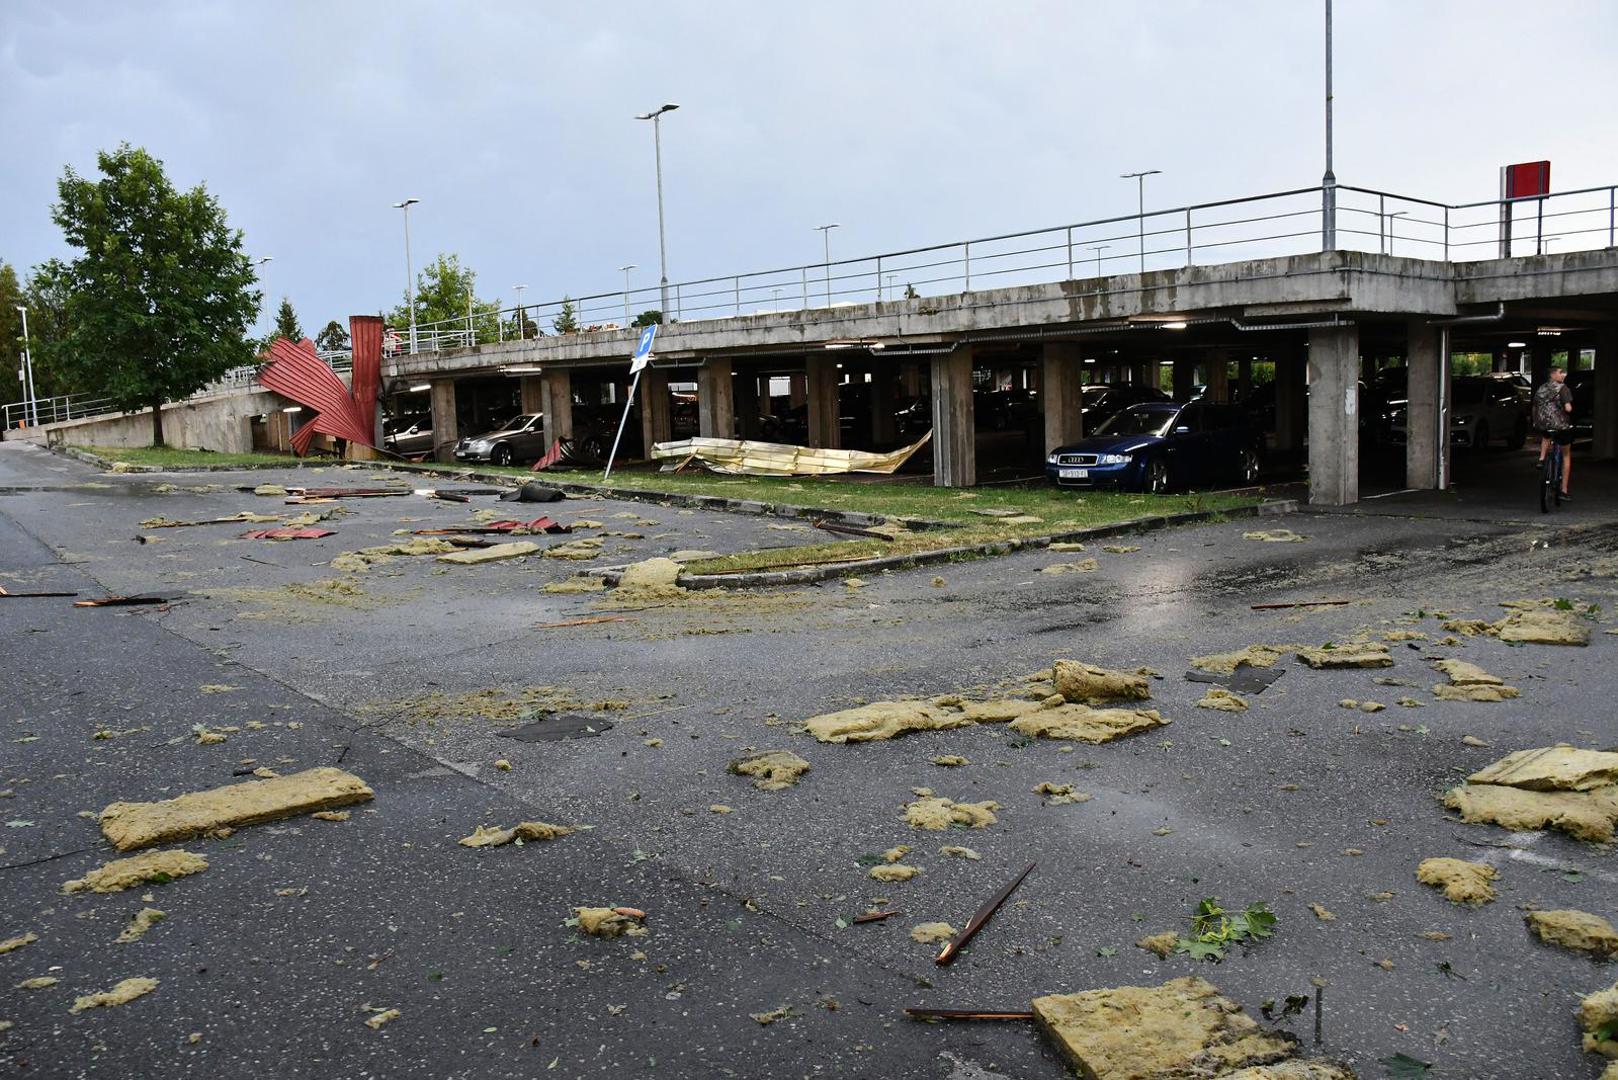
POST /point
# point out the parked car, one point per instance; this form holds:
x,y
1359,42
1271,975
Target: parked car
x,y
1482,408
1103,401
409,434
522,438
1161,445
1005,410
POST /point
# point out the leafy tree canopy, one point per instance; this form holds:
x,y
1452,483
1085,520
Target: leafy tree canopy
x,y
160,297
286,322
567,320
445,291
333,337
647,318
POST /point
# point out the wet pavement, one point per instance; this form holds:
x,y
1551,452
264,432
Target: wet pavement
x,y
407,675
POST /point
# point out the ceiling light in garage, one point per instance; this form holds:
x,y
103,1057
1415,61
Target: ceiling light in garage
x,y
1516,344
421,388
293,409
1174,326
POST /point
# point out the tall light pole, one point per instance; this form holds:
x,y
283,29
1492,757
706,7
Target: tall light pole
x,y
1328,182
28,371
410,272
890,285
1395,214
1098,249
260,261
1140,187
626,270
522,316
656,117
825,234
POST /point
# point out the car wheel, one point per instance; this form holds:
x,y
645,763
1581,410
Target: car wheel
x,y
1480,438
501,455
1249,470
1157,476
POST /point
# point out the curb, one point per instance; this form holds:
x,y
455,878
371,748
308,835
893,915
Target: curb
x,y
811,574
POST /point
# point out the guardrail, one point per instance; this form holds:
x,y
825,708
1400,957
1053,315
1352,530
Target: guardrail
x,y
1259,226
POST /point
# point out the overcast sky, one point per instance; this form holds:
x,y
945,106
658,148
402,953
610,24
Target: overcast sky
x,y
908,123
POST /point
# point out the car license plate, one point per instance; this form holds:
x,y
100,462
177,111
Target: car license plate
x,y
1073,474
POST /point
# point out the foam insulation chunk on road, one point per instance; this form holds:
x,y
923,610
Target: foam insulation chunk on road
x,y
1552,768
489,836
1252,656
1181,1029
121,994
893,872
1082,566
609,922
580,550
929,933
365,558
1576,930
956,851
1544,626
1551,787
1598,1012
1274,536
1084,724
1224,700
1363,654
131,826
148,866
1160,945
516,549
650,579
938,814
1463,882
1091,685
144,920
771,770
12,944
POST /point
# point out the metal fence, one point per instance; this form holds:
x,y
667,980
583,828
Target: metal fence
x,y
1261,226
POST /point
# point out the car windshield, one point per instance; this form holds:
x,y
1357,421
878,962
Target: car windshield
x,y
1467,393
1140,420
515,423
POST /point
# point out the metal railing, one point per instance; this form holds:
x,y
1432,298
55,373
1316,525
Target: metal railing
x,y
55,410
1254,227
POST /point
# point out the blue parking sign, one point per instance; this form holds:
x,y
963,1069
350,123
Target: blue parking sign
x,y
647,336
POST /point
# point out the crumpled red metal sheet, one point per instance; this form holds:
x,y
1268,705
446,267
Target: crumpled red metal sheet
x,y
287,533
295,372
365,378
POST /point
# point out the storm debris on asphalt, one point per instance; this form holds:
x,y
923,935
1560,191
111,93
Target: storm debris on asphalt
x,y
1227,663
491,836
159,867
771,770
1082,566
765,1019
1274,536
956,851
609,922
1468,682
650,579
1081,723
381,1017
12,944
1463,882
1160,945
1219,698
365,558
121,994
1543,626
1551,787
893,872
937,814
1598,1019
1059,794
1361,654
133,825
143,920
950,761
1090,685
516,549
1576,930
980,919
930,933
582,549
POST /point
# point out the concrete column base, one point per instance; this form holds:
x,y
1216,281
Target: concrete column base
x,y
655,423
556,394
1334,414
446,428
716,400
1422,444
955,449
821,390
1061,370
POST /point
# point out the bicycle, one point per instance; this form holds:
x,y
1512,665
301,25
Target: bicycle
x,y
1550,482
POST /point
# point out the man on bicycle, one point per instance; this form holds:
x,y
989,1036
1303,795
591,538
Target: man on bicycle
x,y
1553,417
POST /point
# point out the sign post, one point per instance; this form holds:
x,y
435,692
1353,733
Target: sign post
x,y
1529,180
637,364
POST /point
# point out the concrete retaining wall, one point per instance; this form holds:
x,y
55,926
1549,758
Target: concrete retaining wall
x,y
221,423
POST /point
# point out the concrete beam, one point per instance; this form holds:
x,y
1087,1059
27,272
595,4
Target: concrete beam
x,y
556,393
656,425
1422,444
821,390
446,429
716,400
1606,403
955,450
1061,372
1334,407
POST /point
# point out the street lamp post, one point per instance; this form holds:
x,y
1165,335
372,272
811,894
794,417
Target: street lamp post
x,y
626,270
410,273
522,317
1098,249
656,117
260,261
32,412
890,285
1140,188
1391,217
825,234
1328,182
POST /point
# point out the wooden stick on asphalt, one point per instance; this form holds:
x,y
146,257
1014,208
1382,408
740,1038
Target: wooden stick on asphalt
x,y
985,913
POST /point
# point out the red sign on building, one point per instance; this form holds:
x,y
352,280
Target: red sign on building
x,y
1529,180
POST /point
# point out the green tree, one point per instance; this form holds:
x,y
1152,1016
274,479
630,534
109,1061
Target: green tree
x,y
286,322
647,318
161,296
567,320
446,294
332,338
521,325
11,297
47,298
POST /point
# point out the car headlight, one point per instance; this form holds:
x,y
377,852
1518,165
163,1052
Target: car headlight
x,y
1462,421
1051,460
1113,459
479,445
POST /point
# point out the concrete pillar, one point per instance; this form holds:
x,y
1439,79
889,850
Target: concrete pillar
x,y
822,378
1060,373
1290,397
1422,444
1606,403
1244,379
797,389
747,412
446,428
1146,373
1334,407
882,400
556,394
1218,365
533,397
716,400
655,424
910,379
1185,377
955,449
1540,363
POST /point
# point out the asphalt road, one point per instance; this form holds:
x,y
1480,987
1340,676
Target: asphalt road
x,y
744,908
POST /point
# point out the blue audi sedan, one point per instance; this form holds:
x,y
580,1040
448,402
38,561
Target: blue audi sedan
x,y
1159,446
